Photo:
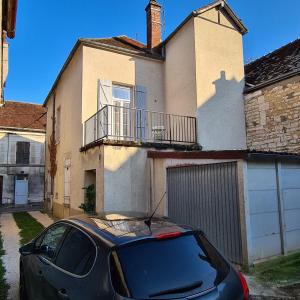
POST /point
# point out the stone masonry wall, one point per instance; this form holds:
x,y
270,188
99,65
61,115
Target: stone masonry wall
x,y
273,117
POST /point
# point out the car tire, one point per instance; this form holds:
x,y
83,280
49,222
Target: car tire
x,y
22,286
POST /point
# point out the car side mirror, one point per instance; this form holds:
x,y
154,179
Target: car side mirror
x,y
27,249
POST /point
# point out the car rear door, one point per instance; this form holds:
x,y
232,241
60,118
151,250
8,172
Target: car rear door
x,y
72,274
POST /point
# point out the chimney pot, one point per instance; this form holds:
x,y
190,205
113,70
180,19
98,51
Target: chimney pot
x,y
153,11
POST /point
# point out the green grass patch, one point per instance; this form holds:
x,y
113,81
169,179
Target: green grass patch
x,y
28,225
3,285
280,270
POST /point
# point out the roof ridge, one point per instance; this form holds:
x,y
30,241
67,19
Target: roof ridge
x,y
272,52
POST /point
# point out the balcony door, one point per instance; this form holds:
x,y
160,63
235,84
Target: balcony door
x,y
121,112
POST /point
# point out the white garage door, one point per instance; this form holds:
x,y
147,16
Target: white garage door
x,y
290,178
264,232
274,208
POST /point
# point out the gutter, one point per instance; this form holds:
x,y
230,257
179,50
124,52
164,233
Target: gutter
x,y
271,81
22,129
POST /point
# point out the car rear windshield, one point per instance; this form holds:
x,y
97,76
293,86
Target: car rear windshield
x,y
164,269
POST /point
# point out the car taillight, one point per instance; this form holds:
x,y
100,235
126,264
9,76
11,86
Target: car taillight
x,y
244,286
168,235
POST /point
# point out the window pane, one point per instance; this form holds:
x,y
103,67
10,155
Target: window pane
x,y
52,237
153,267
82,250
121,92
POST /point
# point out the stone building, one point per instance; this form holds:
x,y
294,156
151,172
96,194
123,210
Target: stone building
x,y
272,100
22,140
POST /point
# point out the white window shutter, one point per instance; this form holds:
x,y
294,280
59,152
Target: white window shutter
x,y
140,97
104,93
141,115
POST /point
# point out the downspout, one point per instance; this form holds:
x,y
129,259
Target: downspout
x,y
53,134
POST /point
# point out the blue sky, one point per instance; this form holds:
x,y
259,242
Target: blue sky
x,y
47,31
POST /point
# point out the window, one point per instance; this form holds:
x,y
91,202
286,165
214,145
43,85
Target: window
x,y
121,111
57,124
82,250
122,93
52,238
67,181
154,268
23,153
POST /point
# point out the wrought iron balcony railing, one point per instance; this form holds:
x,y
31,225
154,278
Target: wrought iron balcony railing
x,y
120,123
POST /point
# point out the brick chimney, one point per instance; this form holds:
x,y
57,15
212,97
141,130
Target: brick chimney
x,y
153,11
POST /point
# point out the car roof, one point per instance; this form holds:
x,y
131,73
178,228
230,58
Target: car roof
x,y
121,228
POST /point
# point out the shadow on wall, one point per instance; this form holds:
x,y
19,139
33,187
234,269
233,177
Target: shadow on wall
x,y
10,169
221,118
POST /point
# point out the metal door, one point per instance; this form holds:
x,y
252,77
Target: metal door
x,y
206,197
21,191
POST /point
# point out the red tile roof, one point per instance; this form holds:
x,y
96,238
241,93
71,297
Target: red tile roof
x,y
125,43
22,115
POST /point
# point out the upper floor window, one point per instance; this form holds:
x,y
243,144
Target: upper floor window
x,y
23,153
121,93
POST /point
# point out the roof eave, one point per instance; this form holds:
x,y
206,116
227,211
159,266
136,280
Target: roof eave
x,y
271,81
10,16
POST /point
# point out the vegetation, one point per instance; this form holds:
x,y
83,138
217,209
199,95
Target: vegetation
x,y
28,225
283,270
89,204
3,285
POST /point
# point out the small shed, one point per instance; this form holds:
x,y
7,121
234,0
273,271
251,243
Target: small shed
x,y
247,202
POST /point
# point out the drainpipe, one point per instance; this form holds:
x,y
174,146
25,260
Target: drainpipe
x,y
53,134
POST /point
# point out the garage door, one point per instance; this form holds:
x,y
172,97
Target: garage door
x,y
290,178
264,211
206,197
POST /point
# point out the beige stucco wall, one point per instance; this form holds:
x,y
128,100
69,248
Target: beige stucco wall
x,y
180,72
204,77
122,69
126,179
68,95
220,82
76,95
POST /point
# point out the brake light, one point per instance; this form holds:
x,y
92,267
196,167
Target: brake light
x,y
244,286
168,235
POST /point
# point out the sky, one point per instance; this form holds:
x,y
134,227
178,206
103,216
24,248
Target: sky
x,y
47,30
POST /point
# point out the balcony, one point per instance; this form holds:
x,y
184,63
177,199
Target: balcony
x,y
124,124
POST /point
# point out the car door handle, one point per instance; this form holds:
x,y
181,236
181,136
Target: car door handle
x,y
63,294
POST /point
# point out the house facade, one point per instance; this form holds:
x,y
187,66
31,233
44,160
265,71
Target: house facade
x,y
272,100
163,125
22,140
116,98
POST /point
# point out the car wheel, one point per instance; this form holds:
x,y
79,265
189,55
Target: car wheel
x,y
22,287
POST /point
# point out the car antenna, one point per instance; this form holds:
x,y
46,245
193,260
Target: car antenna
x,y
148,221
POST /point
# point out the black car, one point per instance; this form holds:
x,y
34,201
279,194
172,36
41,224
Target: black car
x,y
118,257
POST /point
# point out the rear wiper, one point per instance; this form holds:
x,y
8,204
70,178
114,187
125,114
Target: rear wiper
x,y
179,290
